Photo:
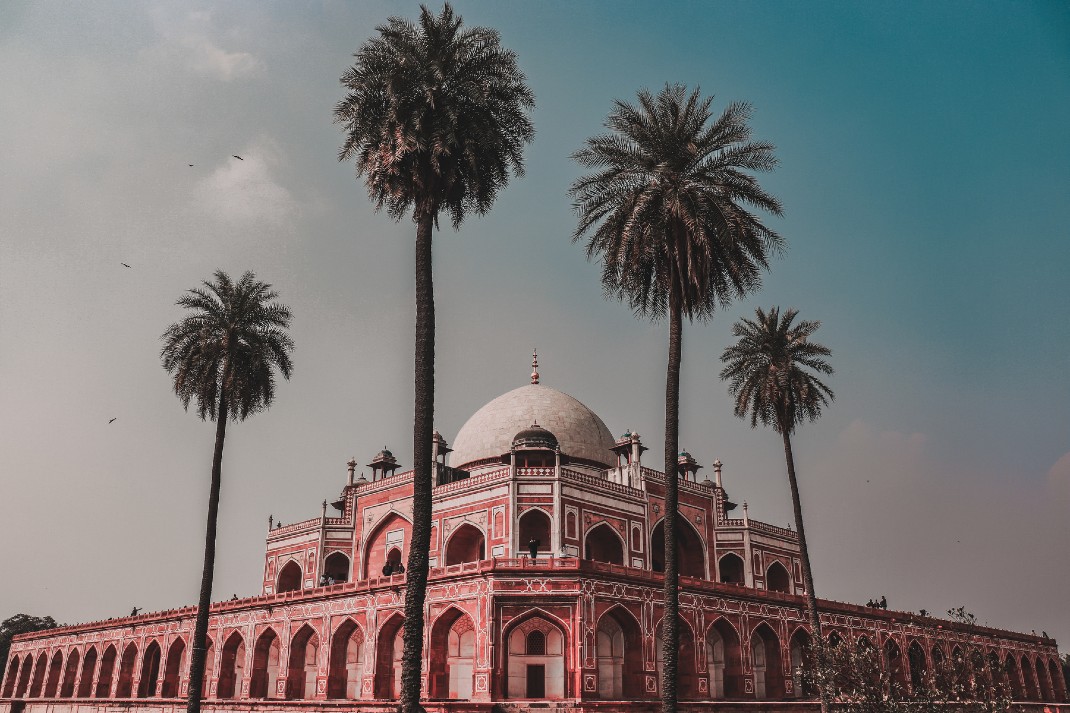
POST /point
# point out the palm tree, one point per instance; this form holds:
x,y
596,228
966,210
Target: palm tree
x,y
436,120
666,208
223,355
772,373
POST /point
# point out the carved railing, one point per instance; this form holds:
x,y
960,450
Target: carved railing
x,y
687,486
535,471
601,483
474,481
763,527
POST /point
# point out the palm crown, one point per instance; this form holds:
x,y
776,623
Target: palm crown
x,y
667,203
232,342
435,115
773,370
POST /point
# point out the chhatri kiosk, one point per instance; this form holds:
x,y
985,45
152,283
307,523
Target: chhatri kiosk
x,y
532,472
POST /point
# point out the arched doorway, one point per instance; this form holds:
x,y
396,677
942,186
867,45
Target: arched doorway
x,y
536,660
1058,683
289,578
346,664
208,666
336,568
534,525
89,668
893,663
124,688
603,544
12,675
27,675
38,675
724,660
1014,677
263,682
301,673
731,568
765,660
619,652
1042,681
176,660
392,533
686,674
388,648
466,544
916,661
231,667
777,579
107,670
55,670
70,674
150,671
1032,693
800,649
452,655
690,553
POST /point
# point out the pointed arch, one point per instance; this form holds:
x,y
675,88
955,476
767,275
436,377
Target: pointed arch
x,y
385,685
231,667
732,569
176,659
467,543
604,544
765,661
1058,682
336,567
208,668
70,674
1014,676
452,655
89,668
393,530
1042,680
263,681
530,674
107,672
290,578
690,549
1032,692
724,659
38,681
55,670
346,664
124,687
686,662
12,676
800,648
777,578
301,671
150,671
534,524
619,652
916,662
893,662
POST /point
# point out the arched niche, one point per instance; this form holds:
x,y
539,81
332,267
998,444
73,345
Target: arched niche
x,y
765,661
393,533
724,659
289,578
231,667
777,578
176,664
535,660
336,568
603,544
107,671
452,656
346,665
690,552
150,671
267,653
534,524
686,660
916,662
466,544
388,649
619,654
732,569
12,676
124,686
70,674
301,672
800,650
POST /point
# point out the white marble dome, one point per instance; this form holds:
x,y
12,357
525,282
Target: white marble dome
x,y
489,432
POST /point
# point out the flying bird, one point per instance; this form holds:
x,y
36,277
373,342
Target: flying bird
x,y
191,165
124,264
112,420
237,157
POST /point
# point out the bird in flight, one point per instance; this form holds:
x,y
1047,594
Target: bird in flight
x,y
124,264
112,420
191,165
237,157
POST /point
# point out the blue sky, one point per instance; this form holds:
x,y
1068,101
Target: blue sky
x,y
924,169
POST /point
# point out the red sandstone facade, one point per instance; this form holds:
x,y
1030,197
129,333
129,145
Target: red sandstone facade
x,y
580,622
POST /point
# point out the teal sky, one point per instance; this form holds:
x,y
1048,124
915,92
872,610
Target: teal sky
x,y
925,172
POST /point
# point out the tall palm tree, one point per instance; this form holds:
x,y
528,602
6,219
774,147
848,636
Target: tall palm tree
x,y
666,206
772,372
223,355
436,118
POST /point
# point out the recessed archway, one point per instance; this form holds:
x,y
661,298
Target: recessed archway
x,y
535,660
777,578
336,568
176,660
55,670
466,544
452,655
289,578
31,678
619,653
346,664
301,672
765,660
724,659
732,569
150,671
388,648
1042,681
231,667
916,661
799,648
38,675
686,659
690,552
534,525
107,670
1032,692
89,669
893,663
12,675
603,544
1057,681
263,682
70,674
392,533
124,688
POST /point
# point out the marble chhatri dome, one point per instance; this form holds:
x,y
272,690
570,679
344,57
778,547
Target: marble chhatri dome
x,y
489,432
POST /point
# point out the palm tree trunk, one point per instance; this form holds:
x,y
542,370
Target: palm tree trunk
x,y
200,631
804,555
423,426
670,623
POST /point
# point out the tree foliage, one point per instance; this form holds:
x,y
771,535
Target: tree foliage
x,y
20,624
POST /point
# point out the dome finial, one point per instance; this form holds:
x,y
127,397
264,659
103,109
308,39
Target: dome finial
x,y
535,366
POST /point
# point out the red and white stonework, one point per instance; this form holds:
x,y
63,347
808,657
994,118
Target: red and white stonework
x,y
579,623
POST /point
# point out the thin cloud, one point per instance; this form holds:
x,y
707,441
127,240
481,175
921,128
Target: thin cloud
x,y
247,191
188,41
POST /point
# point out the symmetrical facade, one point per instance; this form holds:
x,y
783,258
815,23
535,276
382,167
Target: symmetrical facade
x,y
545,584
